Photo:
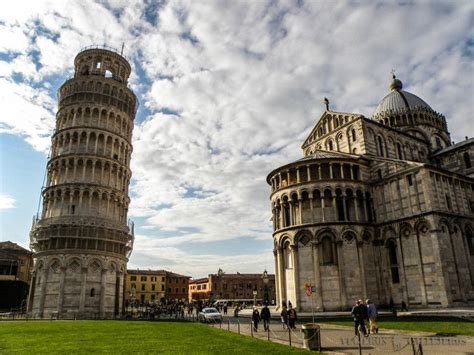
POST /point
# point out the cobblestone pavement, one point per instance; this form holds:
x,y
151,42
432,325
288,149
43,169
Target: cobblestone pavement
x,y
341,340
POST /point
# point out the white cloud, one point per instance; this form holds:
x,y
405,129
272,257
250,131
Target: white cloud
x,y
246,81
6,202
29,113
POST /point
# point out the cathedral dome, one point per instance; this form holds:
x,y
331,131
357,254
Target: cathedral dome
x,y
399,101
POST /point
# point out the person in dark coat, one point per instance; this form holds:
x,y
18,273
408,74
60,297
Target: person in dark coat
x,y
392,307
265,315
256,319
359,313
292,318
284,317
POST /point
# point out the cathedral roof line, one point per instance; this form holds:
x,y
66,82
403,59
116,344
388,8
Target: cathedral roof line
x,y
458,145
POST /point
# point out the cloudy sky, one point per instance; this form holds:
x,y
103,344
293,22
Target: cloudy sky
x,y
228,91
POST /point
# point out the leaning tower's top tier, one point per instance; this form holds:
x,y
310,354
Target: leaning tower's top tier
x,y
102,62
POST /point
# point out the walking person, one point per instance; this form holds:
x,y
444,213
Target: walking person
x,y
372,313
256,319
359,313
265,315
225,308
284,317
236,311
392,307
292,317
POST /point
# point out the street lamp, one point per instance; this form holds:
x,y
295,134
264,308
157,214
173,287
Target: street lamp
x,y
265,279
254,298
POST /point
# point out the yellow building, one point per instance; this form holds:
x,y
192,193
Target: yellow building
x,y
149,285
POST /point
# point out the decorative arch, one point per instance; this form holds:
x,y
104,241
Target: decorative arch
x,y
422,226
303,237
406,230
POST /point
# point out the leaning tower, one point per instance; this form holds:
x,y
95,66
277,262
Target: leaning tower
x,y
82,239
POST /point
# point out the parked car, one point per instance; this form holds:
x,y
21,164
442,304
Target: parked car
x,y
210,315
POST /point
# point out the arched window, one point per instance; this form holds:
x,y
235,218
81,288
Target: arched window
x,y
92,293
330,145
327,251
354,137
392,254
286,211
340,205
448,202
380,141
288,257
399,151
467,160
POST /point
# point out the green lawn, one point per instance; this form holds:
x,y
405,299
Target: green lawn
x,y
68,337
439,325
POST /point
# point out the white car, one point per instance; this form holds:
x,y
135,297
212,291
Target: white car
x,y
210,315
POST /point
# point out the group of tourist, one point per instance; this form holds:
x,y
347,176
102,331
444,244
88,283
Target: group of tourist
x,y
288,316
264,315
365,312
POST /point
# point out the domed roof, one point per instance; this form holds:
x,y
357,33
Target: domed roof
x,y
399,101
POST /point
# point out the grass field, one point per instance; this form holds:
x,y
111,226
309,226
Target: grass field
x,y
68,337
439,325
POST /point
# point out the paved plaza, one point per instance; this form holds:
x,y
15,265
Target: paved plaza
x,y
341,340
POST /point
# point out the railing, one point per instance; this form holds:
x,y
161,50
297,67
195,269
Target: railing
x,y
103,46
84,221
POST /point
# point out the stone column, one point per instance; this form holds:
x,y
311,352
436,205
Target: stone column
x,y
456,264
61,208
277,279
356,207
31,293
467,256
93,171
317,277
361,268
103,276
298,175
342,283
66,173
364,206
84,165
74,178
294,256
330,171
322,208
424,300
281,280
43,291
82,296
404,275
320,175
308,170
62,276
87,142
310,196
345,215
300,210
